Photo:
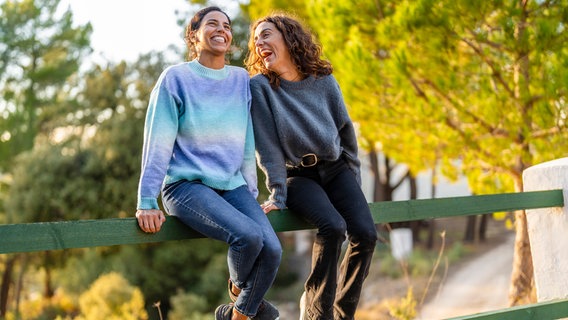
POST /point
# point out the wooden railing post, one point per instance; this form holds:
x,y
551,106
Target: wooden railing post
x,y
548,230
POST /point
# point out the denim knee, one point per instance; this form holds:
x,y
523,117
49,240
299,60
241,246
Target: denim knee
x,y
273,251
252,240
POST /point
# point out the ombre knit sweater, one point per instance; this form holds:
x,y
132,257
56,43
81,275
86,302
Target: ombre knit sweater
x,y
198,128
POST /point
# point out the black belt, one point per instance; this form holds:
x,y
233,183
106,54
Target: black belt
x,y
308,160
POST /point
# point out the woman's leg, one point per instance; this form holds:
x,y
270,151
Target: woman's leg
x,y
208,212
307,198
263,272
346,195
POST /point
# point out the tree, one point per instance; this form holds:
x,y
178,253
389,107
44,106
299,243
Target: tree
x,y
40,50
91,151
90,157
112,297
482,82
188,307
257,9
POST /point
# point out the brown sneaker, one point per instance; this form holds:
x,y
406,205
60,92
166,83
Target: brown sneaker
x,y
266,310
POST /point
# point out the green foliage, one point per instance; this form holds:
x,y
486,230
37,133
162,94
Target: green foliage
x,y
405,309
87,166
39,51
91,158
421,262
196,267
479,82
60,306
84,266
240,29
456,251
112,297
189,306
182,265
5,182
50,189
257,9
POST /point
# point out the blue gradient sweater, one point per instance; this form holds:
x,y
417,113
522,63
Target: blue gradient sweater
x,y
198,127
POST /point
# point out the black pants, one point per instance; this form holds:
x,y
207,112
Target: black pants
x,y
329,196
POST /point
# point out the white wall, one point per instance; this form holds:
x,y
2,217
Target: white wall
x,y
548,231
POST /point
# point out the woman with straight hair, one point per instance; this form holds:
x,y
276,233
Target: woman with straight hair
x,y
199,153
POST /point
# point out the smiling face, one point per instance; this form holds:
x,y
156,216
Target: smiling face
x,y
214,36
272,50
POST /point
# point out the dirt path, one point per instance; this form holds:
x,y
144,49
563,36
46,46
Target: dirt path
x,y
480,285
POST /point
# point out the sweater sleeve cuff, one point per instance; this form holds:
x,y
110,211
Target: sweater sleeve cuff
x,y
253,190
280,205
278,198
146,203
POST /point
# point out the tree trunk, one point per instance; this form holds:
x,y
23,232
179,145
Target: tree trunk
x,y
469,236
382,183
482,233
383,187
6,284
415,225
431,231
375,171
48,290
20,283
521,289
432,222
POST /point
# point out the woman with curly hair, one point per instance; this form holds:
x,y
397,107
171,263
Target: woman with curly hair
x,y
306,145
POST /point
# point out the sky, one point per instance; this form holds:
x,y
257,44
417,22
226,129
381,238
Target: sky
x,y
123,29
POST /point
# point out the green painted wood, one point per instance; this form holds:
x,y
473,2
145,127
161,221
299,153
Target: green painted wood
x,y
58,235
29,237
549,310
395,211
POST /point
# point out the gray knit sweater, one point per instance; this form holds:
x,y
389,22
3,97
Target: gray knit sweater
x,y
297,118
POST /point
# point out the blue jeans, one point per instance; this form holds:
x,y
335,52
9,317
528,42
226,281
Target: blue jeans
x,y
235,217
328,196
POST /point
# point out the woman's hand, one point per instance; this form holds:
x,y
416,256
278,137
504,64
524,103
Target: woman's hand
x,y
268,206
150,220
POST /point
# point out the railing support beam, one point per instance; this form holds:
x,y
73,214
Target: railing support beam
x,y
548,230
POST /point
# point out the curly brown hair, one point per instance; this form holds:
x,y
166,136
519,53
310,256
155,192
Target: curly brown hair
x,y
304,50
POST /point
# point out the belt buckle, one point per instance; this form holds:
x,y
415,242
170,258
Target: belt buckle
x,y
313,160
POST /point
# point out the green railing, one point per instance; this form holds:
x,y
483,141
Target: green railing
x,y
40,236
548,310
